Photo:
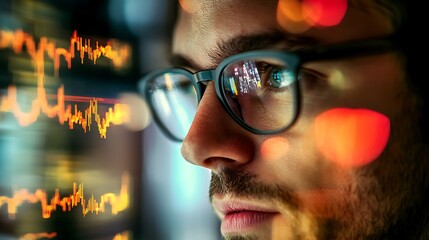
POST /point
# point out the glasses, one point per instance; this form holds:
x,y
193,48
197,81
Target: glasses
x,y
258,89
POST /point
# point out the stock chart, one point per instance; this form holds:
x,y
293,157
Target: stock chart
x,y
69,162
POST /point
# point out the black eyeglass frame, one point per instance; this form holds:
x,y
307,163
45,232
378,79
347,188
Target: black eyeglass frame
x,y
295,59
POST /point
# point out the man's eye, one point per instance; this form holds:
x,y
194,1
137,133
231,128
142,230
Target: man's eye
x,y
277,77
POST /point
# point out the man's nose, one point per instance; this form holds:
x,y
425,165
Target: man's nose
x,y
215,140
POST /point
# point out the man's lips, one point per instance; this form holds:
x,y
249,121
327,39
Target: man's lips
x,y
236,222
241,216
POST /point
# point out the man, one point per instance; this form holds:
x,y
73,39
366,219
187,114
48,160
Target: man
x,y
310,128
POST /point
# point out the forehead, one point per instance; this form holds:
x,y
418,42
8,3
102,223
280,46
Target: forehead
x,y
200,30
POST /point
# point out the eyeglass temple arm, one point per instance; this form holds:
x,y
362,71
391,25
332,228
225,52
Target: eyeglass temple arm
x,y
204,76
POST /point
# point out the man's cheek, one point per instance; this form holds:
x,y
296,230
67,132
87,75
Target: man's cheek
x,y
351,137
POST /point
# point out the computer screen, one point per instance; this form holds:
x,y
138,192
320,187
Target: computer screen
x,y
69,150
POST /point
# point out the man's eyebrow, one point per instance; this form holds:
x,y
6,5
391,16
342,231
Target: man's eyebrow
x,y
239,44
274,39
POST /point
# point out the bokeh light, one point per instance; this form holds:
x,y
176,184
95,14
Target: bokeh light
x,y
190,6
299,16
338,81
351,137
140,116
324,12
274,148
290,16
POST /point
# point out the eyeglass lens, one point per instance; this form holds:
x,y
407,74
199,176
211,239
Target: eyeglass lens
x,y
260,93
174,98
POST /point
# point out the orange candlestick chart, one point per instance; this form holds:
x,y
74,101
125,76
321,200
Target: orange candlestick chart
x,y
118,202
16,40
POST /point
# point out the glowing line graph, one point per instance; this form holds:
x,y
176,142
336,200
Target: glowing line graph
x,y
119,114
18,39
69,98
35,236
118,203
122,236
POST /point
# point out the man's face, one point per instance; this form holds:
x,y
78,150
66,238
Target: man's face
x,y
348,168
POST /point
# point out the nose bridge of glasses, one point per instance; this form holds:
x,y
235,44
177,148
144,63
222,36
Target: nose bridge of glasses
x,y
205,76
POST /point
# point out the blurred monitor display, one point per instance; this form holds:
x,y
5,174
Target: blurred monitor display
x,y
69,150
